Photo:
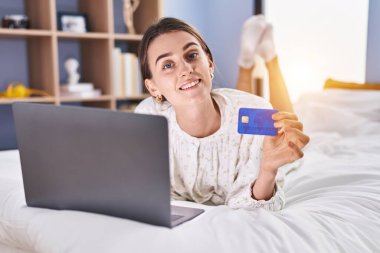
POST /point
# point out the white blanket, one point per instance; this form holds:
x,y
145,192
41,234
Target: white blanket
x,y
333,199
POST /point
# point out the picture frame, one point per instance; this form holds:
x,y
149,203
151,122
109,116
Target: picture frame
x,y
72,22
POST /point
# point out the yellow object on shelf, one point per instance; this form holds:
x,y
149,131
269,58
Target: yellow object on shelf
x,y
18,90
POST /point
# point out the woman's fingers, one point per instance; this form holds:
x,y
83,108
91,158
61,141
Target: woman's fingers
x,y
286,119
288,152
288,144
284,115
295,152
296,136
281,124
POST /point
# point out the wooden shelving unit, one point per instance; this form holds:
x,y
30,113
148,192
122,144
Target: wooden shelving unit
x,y
130,37
32,99
43,47
24,33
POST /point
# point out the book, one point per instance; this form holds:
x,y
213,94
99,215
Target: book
x,y
130,74
139,81
133,77
122,78
116,68
127,79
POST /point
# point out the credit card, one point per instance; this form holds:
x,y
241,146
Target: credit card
x,y
256,121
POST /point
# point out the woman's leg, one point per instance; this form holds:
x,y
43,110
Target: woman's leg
x,y
251,34
279,96
278,93
244,81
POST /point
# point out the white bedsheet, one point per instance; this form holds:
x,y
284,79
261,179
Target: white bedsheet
x,y
333,200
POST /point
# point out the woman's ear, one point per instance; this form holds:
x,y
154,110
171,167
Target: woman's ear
x,y
153,90
211,66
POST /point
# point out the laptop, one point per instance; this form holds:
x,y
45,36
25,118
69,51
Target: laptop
x,y
97,160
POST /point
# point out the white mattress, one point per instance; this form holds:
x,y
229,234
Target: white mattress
x,y
332,200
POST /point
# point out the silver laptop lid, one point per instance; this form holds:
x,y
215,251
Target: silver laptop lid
x,y
95,160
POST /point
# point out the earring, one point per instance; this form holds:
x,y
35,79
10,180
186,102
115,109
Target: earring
x,y
159,99
212,75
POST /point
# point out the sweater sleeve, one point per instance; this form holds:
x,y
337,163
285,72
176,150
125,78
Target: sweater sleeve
x,y
241,194
146,107
149,106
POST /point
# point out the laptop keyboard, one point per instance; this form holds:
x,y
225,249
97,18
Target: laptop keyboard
x,y
175,217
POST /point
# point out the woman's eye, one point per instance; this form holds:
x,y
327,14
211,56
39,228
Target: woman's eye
x,y
192,56
167,66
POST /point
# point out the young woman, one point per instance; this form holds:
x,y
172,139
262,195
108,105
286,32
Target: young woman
x,y
210,162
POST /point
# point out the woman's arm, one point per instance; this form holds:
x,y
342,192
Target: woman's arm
x,y
263,187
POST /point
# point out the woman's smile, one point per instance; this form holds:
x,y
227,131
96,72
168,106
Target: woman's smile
x,y
190,85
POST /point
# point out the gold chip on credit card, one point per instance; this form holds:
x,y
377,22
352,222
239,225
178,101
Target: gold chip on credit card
x,y
244,119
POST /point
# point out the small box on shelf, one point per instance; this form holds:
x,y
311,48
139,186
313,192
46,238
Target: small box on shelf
x,y
80,90
72,22
15,21
93,14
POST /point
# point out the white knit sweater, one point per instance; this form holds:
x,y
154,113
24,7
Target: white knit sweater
x,y
220,168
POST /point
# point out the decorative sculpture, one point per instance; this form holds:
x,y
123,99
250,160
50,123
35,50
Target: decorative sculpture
x,y
71,66
129,7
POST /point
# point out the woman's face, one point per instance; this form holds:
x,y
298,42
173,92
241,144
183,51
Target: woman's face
x,y
181,70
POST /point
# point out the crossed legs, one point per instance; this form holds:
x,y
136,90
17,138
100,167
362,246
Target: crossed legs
x,y
257,39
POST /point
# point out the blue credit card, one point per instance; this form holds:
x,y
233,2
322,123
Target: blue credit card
x,y
256,121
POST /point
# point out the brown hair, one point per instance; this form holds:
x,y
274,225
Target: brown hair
x,y
166,25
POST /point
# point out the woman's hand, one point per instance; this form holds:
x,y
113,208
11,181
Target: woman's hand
x,y
279,150
287,146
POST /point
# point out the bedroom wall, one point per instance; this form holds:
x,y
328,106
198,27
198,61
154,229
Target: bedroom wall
x,y
317,40
15,70
373,45
11,71
220,22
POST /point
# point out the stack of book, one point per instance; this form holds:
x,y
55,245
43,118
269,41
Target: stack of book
x,y
126,74
81,90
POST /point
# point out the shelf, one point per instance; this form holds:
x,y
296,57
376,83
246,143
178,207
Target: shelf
x,y
24,33
90,99
37,56
29,100
128,37
87,35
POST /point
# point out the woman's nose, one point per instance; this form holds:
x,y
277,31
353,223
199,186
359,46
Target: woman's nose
x,y
185,68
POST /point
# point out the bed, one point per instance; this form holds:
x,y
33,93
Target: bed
x,y
332,199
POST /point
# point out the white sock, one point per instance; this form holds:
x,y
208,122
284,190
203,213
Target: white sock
x,y
266,48
252,31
